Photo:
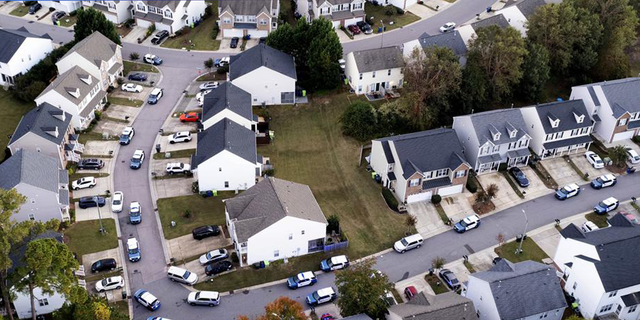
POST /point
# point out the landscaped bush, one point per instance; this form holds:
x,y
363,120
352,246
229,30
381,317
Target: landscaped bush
x,y
234,257
208,11
399,11
151,29
391,200
129,23
471,185
333,224
359,121
214,32
73,13
502,167
636,139
435,199
222,70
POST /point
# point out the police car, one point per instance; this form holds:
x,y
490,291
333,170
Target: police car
x,y
302,279
334,263
606,205
568,191
607,180
468,223
321,296
146,299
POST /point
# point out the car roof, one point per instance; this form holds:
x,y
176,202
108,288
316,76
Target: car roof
x,y
132,243
209,294
127,129
339,259
306,275
471,218
156,90
114,279
217,251
413,237
138,152
118,194
174,269
326,291
147,296
609,200
183,133
134,204
87,179
572,186
608,177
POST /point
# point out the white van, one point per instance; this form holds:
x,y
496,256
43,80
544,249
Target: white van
x,y
182,275
407,243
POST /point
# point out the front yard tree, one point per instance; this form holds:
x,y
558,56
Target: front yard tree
x,y
284,308
536,72
11,233
618,155
208,64
362,289
359,121
90,20
88,307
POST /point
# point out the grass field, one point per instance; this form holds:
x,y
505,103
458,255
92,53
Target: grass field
x,y
203,211
20,11
390,22
599,220
185,153
198,38
134,66
68,21
126,102
12,111
85,236
530,251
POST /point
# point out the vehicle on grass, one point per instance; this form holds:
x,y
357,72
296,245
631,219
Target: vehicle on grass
x,y
182,275
568,191
137,159
126,135
606,205
607,180
133,250
146,299
408,243
152,59
449,26
178,167
108,264
202,232
83,183
131,87
117,201
90,164
519,176
302,279
155,95
321,296
468,223
218,267
189,117
334,263
449,279
137,77
204,298
111,283
594,159
182,136
90,202
135,212
213,256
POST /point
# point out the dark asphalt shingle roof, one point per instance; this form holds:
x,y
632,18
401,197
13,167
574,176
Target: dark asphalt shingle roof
x,y
567,142
497,20
269,201
563,110
261,56
621,94
485,123
41,118
361,316
32,168
523,289
528,7
452,40
12,40
70,81
247,7
95,48
226,135
387,152
172,4
378,59
227,96
448,305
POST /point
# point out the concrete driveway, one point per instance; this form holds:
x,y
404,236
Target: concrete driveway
x,y
429,222
152,79
505,197
186,247
92,213
165,146
103,148
173,187
458,206
159,166
111,128
90,258
173,124
536,187
8,6
105,169
102,185
123,113
562,172
135,33
133,95
581,162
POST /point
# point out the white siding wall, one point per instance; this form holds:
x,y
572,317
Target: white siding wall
x,y
58,101
381,76
22,303
534,128
378,159
240,174
34,142
66,6
30,52
43,204
265,85
480,293
605,127
226,113
466,134
588,290
122,11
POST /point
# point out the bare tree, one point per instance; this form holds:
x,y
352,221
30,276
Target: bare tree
x,y
438,263
492,191
500,238
410,222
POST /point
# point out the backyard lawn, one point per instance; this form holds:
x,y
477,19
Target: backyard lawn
x,y
202,211
530,251
85,237
391,22
134,66
12,111
198,38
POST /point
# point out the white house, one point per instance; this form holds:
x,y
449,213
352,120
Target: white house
x,y
340,12
558,128
97,55
375,70
416,166
226,157
66,6
254,18
596,266
492,138
19,52
76,92
424,306
39,178
526,290
47,129
231,102
168,15
116,11
614,107
267,74
275,219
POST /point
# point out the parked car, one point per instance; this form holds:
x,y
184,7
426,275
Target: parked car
x,y
354,29
104,265
364,27
630,217
468,223
448,27
152,59
594,159
117,201
520,177
131,87
218,267
189,117
57,16
200,97
111,283
632,155
126,135
137,77
321,296
90,164
147,300
302,279
213,256
608,180
209,85
234,42
204,298
410,292
606,205
334,263
161,35
449,279
178,167
182,275
221,62
155,95
137,159
135,212
83,183
408,243
34,8
589,226
182,136
200,233
90,202
568,191
133,250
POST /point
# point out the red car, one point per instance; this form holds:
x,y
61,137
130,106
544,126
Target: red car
x,y
354,29
189,117
410,292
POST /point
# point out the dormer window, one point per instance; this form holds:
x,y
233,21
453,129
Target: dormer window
x,y
555,123
141,7
86,79
168,14
75,92
52,131
579,118
512,130
496,136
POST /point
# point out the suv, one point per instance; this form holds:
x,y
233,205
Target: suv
x,y
135,212
90,202
568,191
302,279
137,77
200,233
111,283
204,298
34,8
178,167
606,205
57,16
182,275
632,155
83,183
146,299
155,96
334,263
90,164
218,267
468,223
182,136
589,226
137,159
152,59
221,62
160,36
450,279
126,135
408,243
133,250
321,296
103,265
608,180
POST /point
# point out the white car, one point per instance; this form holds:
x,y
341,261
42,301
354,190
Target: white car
x,y
468,223
204,298
182,136
200,97
131,87
213,256
632,155
178,167
152,59
589,226
209,85
448,27
83,183
110,284
594,159
117,200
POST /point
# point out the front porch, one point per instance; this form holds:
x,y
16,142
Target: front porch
x,y
566,147
518,158
490,163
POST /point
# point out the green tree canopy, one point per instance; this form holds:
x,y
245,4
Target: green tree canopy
x,y
90,20
28,86
359,121
362,289
536,72
89,308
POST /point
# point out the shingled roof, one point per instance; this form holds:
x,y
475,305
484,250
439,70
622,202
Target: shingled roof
x,y
486,123
261,56
621,94
448,305
227,96
497,20
95,48
74,85
566,112
378,59
12,40
248,7
452,40
32,168
225,135
43,121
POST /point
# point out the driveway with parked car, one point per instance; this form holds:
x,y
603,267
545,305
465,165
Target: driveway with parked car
x,y
102,185
186,246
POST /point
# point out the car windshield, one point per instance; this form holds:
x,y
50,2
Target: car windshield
x,y
599,180
315,296
105,282
404,242
565,190
135,213
116,201
463,223
329,262
152,95
186,275
133,251
602,204
453,279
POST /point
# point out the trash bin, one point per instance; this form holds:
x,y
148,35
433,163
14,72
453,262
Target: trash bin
x,y
379,29
519,238
158,148
124,295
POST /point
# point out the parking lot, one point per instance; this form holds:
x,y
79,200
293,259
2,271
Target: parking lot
x,y
505,197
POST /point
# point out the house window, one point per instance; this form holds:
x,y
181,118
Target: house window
x,y
290,236
252,19
359,88
632,309
151,9
442,172
549,137
414,182
226,20
168,14
239,19
389,72
141,7
613,294
622,122
361,76
43,302
263,22
32,217
112,5
220,169
302,231
606,308
356,6
575,285
544,315
460,174
373,74
276,253
226,184
428,175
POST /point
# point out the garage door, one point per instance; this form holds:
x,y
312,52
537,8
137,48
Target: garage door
x,y
336,24
352,21
425,196
623,136
230,33
162,26
143,23
450,190
256,34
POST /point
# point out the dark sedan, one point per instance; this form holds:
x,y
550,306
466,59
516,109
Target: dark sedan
x,y
34,8
234,42
200,233
520,177
57,16
450,279
218,267
103,265
90,164
138,77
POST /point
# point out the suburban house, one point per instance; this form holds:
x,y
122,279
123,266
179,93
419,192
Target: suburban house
x,y
253,18
375,70
48,130
340,12
168,15
19,52
402,4
492,138
275,219
39,178
613,105
97,55
595,269
416,166
76,92
515,291
230,102
452,40
66,6
558,128
424,306
226,157
267,74
117,12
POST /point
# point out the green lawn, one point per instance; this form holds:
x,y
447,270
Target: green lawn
x,y
390,22
198,38
599,220
68,21
85,237
203,211
134,66
530,251
436,284
186,153
212,76
12,111
125,102
76,176
20,11
285,8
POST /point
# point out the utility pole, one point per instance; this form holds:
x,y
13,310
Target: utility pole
x,y
382,34
524,233
95,198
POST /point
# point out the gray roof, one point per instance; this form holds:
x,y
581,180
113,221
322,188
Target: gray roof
x,y
631,299
152,17
378,59
162,3
226,135
528,7
32,168
452,40
43,119
497,20
248,7
564,111
12,40
622,95
484,123
523,289
259,56
361,316
427,150
70,81
334,2
268,202
95,48
227,96
448,305
618,249
63,176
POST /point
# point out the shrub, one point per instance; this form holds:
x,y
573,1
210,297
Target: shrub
x,y
269,172
222,70
52,9
120,81
333,224
129,23
399,11
214,32
389,12
134,56
391,200
636,139
234,257
187,214
151,29
471,185
73,13
502,167
208,12
359,121
98,115
436,198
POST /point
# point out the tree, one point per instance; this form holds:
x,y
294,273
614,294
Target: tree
x,y
90,20
361,290
87,307
359,121
438,263
134,56
536,71
208,64
284,308
410,222
618,155
492,191
501,239
474,87
29,85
